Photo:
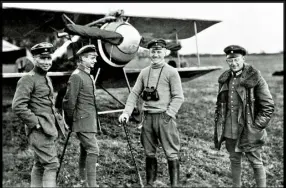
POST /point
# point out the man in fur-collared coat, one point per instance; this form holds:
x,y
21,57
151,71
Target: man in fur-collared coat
x,y
243,110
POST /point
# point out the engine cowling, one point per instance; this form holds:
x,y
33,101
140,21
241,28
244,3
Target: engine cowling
x,y
122,54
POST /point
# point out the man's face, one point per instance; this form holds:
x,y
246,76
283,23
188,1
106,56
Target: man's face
x,y
236,63
43,62
89,59
157,55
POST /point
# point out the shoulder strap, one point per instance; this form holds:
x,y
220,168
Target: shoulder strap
x,y
148,76
159,77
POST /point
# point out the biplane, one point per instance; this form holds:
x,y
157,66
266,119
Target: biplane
x,y
118,37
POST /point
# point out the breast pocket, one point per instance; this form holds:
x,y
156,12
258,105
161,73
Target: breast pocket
x,y
42,89
87,86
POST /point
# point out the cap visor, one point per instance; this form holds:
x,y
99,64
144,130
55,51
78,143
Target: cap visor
x,y
157,47
44,55
233,55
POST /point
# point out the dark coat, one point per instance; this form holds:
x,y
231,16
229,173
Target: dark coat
x,y
33,104
79,103
254,114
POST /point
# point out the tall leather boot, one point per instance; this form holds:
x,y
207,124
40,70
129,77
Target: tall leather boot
x,y
91,160
37,176
49,178
236,174
174,172
81,164
151,170
260,176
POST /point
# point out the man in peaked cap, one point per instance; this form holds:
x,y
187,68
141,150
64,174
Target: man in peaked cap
x,y
245,98
157,43
79,105
235,49
160,87
33,103
86,49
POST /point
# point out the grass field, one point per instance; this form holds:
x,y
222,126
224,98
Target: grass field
x,y
201,164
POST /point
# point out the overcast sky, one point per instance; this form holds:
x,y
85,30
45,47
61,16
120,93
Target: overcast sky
x,y
255,26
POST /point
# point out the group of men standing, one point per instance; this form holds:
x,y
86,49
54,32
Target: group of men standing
x,y
244,108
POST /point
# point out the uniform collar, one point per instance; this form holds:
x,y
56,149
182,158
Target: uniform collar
x,y
40,71
83,68
236,74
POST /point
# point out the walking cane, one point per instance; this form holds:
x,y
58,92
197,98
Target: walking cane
x,y
130,148
63,153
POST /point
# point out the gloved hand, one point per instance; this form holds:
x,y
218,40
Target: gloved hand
x,y
123,117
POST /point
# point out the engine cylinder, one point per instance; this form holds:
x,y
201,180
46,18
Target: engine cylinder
x,y
120,55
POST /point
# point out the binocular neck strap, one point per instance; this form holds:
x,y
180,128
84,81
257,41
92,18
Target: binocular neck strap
x,y
158,77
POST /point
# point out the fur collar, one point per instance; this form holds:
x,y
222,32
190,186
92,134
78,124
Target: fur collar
x,y
249,76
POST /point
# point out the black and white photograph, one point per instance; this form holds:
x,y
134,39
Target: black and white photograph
x,y
159,94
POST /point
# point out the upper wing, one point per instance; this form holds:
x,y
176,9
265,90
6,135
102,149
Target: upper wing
x,y
167,28
24,22
21,23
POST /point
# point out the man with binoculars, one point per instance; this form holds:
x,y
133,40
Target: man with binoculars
x,y
160,87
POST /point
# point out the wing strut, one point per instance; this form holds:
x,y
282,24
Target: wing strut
x,y
115,98
111,95
97,74
178,55
127,81
195,27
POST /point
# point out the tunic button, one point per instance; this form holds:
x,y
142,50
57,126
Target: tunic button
x,y
248,113
232,82
231,110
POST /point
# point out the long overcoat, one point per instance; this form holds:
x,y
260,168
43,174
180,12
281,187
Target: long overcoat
x,y
254,112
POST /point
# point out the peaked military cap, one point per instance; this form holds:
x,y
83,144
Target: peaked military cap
x,y
43,48
234,51
86,49
157,44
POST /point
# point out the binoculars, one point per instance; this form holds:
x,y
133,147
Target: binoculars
x,y
150,94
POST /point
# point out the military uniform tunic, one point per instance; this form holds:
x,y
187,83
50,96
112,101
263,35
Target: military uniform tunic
x,y
33,103
231,128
